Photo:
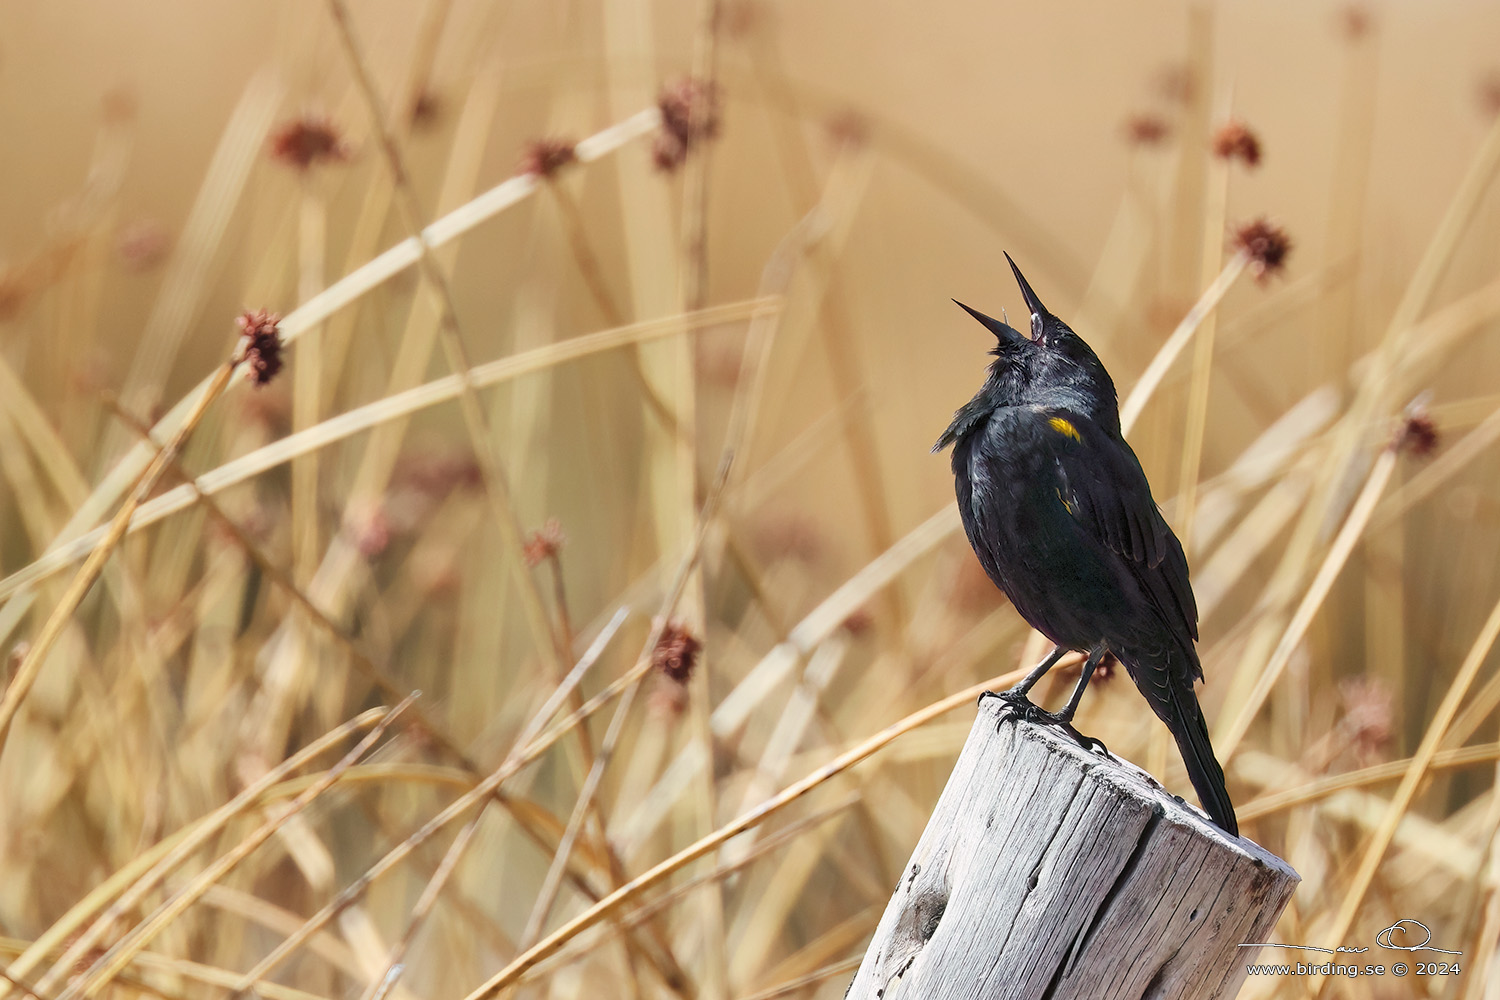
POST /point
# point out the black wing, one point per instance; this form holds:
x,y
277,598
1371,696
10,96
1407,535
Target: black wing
x,y
1104,487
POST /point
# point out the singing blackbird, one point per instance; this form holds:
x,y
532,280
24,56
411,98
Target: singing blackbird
x,y
1058,510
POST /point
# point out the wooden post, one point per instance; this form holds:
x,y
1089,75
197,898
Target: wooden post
x,y
1049,871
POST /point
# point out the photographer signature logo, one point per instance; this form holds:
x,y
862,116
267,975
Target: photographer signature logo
x,y
1391,939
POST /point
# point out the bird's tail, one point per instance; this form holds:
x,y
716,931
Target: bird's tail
x,y
1191,733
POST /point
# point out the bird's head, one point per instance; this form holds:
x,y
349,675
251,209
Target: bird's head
x,y
1051,367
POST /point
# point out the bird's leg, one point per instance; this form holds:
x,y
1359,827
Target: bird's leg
x,y
1016,697
1096,655
1023,708
1065,717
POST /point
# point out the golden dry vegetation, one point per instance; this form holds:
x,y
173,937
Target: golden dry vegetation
x,y
623,463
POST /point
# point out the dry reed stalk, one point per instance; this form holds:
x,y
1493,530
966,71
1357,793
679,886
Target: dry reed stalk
x,y
801,984
829,216
380,985
842,192
186,281
47,446
816,957
1196,418
1345,451
1227,740
1273,803
497,483
1107,311
83,581
128,885
307,381
631,686
746,821
352,287
693,273
379,412
1184,227
1474,713
163,965
254,910
770,902
1275,450
373,671
1280,305
519,755
735,708
719,874
464,156
31,500
1443,328
414,349
1416,770
1456,458
118,956
1338,310
1151,378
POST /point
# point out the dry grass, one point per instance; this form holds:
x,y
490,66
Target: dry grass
x,y
653,756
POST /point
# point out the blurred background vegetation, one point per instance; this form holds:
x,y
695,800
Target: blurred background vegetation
x,y
723,505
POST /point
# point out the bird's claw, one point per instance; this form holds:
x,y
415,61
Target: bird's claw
x,y
1023,709
1090,743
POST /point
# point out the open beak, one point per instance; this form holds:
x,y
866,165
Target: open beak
x,y
1038,311
1006,333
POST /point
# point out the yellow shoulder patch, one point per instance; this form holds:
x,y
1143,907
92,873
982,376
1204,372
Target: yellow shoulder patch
x,y
1064,428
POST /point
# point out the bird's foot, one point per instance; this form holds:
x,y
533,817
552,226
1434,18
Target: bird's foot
x,y
1089,743
1020,708
1023,709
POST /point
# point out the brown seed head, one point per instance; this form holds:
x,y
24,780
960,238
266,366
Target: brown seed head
x,y
435,474
120,105
1234,140
1266,244
311,139
740,18
1355,21
1418,435
1176,82
859,623
848,128
15,288
545,157
689,115
372,531
784,535
1368,715
1487,93
544,543
142,244
260,344
426,110
1147,130
676,652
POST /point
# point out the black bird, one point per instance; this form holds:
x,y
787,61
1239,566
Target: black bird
x,y
1059,512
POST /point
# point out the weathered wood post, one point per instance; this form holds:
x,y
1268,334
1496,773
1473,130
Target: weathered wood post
x,y
1048,871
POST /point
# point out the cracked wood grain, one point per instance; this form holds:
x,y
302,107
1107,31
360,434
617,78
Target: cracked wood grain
x,y
1050,872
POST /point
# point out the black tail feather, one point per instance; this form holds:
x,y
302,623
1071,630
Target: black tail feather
x,y
1191,733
